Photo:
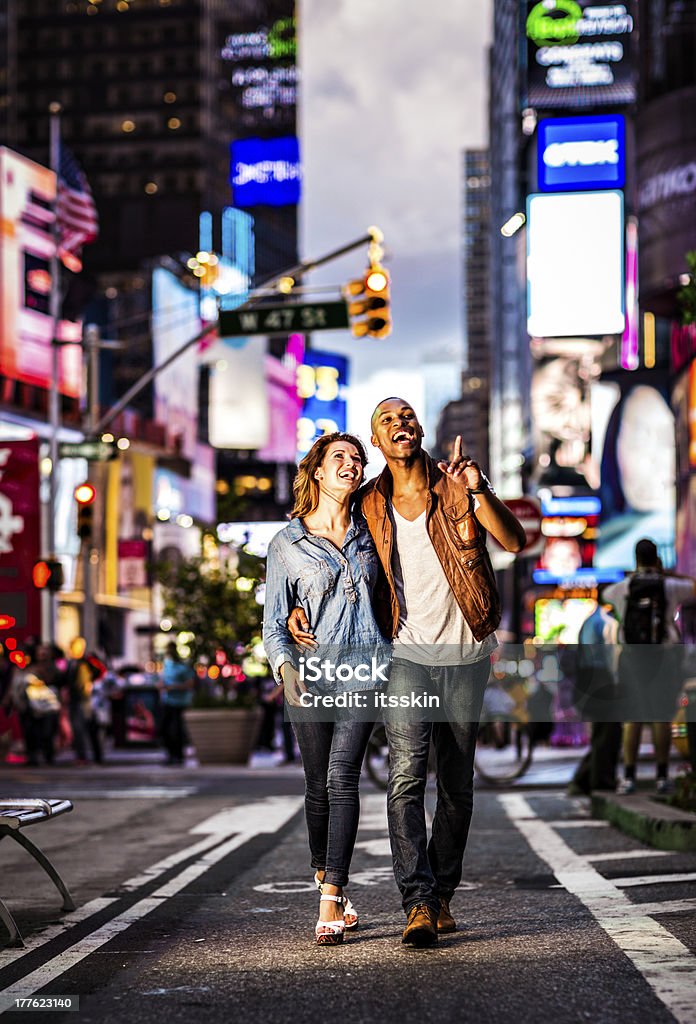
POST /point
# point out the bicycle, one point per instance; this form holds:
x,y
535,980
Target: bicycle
x,y
509,757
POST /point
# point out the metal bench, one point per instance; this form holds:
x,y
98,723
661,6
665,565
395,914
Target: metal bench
x,y
16,815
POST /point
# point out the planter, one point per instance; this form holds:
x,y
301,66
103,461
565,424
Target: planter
x,y
223,735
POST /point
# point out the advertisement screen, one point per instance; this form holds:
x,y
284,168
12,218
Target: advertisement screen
x,y
557,621
266,172
259,76
578,153
27,193
19,537
579,53
285,405
575,264
638,477
175,319
322,385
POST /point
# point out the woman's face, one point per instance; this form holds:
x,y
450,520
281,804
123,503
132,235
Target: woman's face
x,y
645,450
341,470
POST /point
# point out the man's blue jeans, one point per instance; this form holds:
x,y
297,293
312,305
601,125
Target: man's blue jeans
x,y
424,871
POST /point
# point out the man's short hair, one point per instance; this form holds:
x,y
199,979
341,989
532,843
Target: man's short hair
x,y
646,552
391,398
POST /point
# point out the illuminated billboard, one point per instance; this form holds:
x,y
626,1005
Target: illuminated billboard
x,y
575,264
259,73
27,194
265,172
322,386
175,319
581,153
579,53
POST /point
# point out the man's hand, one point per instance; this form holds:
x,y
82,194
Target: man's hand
x,y
300,629
294,687
461,467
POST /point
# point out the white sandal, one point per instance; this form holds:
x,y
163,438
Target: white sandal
x,y
330,933
350,914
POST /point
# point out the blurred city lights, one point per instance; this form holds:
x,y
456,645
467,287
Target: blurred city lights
x,y
513,225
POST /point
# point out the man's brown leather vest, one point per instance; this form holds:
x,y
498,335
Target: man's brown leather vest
x,y
459,542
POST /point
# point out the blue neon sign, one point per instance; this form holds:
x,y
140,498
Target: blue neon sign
x,y
581,153
265,172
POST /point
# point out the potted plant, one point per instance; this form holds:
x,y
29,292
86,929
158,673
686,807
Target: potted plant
x,y
216,618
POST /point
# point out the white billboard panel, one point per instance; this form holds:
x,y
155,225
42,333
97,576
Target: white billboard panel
x,y
575,264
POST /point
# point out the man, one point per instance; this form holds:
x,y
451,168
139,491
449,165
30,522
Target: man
x,y
177,693
646,603
595,699
441,608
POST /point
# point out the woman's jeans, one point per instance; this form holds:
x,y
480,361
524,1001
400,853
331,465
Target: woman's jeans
x,y
426,872
332,757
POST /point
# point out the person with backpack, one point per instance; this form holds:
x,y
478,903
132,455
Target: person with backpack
x,y
646,603
595,680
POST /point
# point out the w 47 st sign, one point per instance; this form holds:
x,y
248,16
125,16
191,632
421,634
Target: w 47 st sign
x,y
288,318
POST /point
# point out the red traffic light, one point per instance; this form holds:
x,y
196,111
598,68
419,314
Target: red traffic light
x,y
47,574
85,493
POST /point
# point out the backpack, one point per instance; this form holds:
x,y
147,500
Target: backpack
x,y
645,616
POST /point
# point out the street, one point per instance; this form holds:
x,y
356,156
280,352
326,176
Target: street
x,y
194,895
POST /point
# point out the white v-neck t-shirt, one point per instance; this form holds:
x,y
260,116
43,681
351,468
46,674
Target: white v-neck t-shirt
x,y
432,629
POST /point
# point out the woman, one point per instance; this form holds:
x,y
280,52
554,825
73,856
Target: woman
x,y
325,561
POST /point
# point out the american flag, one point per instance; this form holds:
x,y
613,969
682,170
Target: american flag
x,y
76,214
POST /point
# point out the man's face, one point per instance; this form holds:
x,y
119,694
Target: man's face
x,y
396,430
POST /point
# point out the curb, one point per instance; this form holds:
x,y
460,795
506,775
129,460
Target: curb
x,y
651,821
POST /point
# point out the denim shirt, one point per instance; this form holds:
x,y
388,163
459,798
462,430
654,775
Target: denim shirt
x,y
335,590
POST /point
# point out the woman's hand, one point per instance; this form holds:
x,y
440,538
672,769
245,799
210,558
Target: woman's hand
x,y
293,685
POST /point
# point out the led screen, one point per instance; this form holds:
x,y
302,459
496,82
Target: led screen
x,y
575,264
266,172
581,153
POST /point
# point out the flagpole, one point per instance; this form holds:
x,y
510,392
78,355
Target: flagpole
x,y
54,392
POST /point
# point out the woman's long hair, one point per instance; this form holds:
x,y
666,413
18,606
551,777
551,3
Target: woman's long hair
x,y
305,487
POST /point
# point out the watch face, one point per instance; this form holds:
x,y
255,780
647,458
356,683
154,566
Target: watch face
x,y
645,451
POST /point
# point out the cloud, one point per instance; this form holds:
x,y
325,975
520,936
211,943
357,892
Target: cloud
x,y
391,95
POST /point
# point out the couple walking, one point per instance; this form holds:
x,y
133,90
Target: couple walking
x,y
399,563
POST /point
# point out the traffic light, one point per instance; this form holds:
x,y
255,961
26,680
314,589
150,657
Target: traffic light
x,y
369,300
84,496
47,574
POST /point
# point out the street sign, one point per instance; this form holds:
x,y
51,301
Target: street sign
x,y
528,511
93,451
288,318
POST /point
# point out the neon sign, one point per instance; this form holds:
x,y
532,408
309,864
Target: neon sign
x,y
266,172
279,42
581,153
577,53
572,22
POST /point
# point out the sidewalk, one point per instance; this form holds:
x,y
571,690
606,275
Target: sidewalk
x,y
648,818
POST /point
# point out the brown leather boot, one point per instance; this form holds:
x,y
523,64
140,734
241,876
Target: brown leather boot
x,y
421,927
445,921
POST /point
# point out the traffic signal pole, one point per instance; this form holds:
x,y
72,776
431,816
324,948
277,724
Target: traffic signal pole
x,y
288,276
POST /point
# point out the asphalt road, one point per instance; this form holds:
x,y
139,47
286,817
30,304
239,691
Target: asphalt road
x,y
195,901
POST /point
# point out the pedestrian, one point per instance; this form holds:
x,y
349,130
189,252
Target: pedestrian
x,y
37,705
595,693
177,693
79,679
273,701
646,603
325,560
441,607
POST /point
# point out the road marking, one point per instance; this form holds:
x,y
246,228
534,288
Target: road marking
x,y
630,855
575,823
143,793
665,963
275,813
375,847
625,883
668,907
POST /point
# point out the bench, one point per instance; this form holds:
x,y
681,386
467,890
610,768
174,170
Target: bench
x,y
19,814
